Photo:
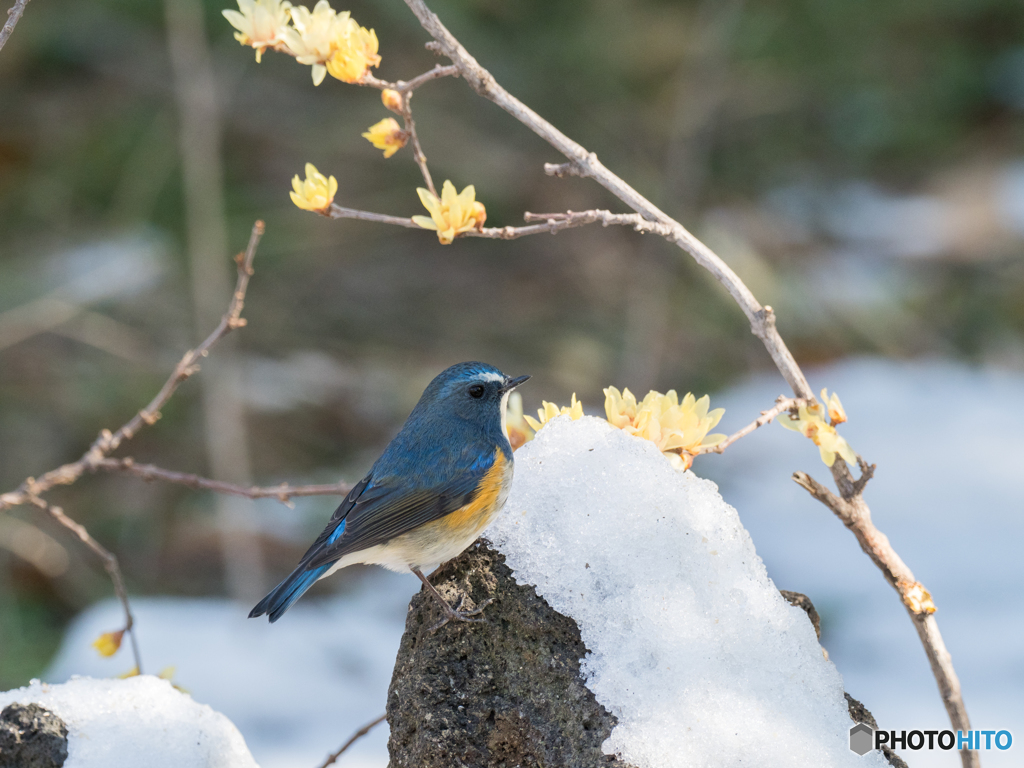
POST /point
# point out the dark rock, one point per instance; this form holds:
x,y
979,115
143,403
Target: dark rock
x,y
505,693
803,602
32,737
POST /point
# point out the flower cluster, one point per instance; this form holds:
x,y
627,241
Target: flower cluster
x,y
316,192
328,41
679,429
451,214
548,411
811,422
386,135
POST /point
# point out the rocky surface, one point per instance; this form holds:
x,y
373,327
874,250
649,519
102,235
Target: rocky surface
x,y
32,737
502,693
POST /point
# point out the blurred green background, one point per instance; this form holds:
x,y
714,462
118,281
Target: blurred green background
x,y
857,163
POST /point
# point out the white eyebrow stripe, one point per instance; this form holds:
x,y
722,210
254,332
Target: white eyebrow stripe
x,y
490,377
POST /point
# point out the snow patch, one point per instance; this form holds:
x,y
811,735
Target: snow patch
x,y
134,722
692,647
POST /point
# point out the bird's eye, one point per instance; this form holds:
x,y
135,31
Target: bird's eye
x,y
477,391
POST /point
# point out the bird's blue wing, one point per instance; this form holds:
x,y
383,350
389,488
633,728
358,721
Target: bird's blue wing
x,y
374,512
386,511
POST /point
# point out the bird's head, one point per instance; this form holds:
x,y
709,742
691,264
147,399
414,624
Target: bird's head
x,y
474,392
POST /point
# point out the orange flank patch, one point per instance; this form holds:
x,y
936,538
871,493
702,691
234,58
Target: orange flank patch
x,y
478,512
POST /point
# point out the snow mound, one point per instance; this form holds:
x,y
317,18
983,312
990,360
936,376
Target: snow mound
x,y
141,721
692,647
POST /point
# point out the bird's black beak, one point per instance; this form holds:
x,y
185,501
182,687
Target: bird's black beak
x,y
511,384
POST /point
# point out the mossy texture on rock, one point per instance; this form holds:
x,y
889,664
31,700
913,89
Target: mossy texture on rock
x,y
32,737
503,693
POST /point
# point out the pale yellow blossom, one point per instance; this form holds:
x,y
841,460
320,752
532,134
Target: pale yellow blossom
x,y
331,42
818,423
679,429
548,411
355,52
392,100
316,192
451,214
516,427
108,643
386,135
260,23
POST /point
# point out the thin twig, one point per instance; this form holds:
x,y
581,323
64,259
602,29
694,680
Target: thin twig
x,y
352,740
761,319
109,563
282,492
856,516
417,150
404,86
782,404
107,442
337,212
12,18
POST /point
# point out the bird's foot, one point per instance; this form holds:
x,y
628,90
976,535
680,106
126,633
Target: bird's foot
x,y
457,614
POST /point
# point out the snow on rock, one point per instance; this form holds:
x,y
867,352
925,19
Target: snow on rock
x,y
691,645
141,721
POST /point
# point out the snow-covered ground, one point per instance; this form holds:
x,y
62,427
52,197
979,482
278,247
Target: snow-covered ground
x,y
949,443
142,721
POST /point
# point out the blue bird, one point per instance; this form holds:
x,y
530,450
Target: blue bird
x,y
437,485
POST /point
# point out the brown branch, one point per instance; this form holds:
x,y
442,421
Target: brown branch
x,y
337,212
761,319
12,18
417,150
352,740
856,516
406,86
109,563
282,492
782,403
107,442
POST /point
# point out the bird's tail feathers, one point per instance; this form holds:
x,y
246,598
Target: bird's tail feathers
x,y
287,592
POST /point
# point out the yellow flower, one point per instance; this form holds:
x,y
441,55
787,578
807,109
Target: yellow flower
x,y
392,100
260,23
811,423
678,429
452,214
108,643
916,597
836,414
355,52
316,193
548,411
386,135
519,432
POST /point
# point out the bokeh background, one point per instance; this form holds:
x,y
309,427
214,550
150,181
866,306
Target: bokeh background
x,y
860,165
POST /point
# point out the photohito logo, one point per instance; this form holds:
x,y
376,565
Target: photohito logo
x,y
864,738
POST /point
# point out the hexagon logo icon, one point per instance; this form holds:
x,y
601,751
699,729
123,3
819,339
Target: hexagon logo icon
x,y
861,738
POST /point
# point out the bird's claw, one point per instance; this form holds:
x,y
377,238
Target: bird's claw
x,y
457,614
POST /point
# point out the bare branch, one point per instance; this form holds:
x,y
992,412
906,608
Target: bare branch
x,y
782,403
417,150
352,740
403,86
12,18
762,324
282,492
337,212
856,516
107,442
109,563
